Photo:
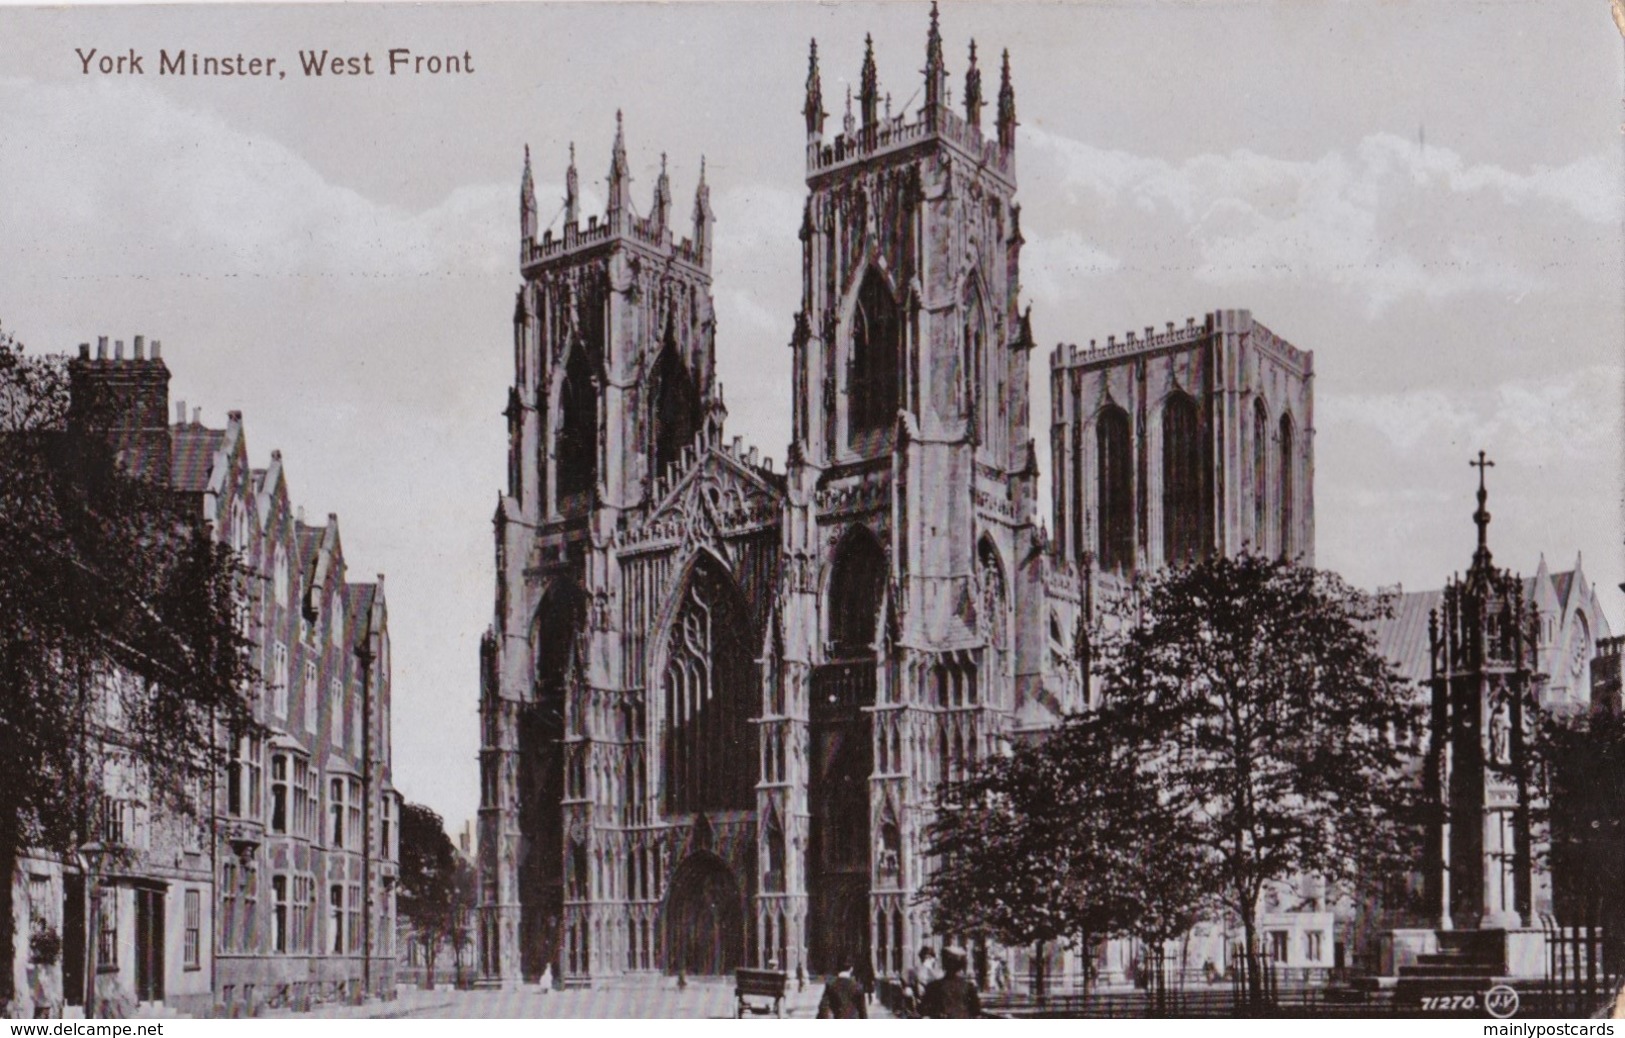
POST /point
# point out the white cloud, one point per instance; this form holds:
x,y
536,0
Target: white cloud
x,y
1052,263
1389,221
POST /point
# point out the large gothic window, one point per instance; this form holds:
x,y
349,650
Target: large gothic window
x,y
854,595
1261,434
1116,484
577,450
876,364
1183,521
676,406
710,682
1289,546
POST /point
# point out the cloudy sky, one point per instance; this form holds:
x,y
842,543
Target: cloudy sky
x,y
1425,194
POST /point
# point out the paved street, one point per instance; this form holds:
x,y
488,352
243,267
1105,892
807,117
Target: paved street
x,y
652,999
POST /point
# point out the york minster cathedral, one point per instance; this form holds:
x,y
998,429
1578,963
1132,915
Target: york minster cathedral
x,y
717,694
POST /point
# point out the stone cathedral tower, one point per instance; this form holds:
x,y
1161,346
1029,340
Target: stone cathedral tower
x,y
716,698
910,520
614,390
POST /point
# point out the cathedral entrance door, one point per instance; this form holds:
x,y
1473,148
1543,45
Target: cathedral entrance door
x,y
704,919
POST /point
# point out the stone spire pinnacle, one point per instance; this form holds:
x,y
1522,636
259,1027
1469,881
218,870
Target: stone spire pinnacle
x,y
572,190
661,210
1481,518
1007,108
619,176
973,90
869,90
936,72
703,219
527,200
814,107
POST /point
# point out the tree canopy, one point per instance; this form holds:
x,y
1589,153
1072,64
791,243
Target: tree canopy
x,y
121,641
1249,733
435,890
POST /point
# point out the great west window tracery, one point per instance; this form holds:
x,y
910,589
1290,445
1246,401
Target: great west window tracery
x,y
876,363
709,681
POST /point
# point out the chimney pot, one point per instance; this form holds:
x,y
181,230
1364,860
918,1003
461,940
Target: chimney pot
x,y
118,349
101,347
155,345
140,347
84,351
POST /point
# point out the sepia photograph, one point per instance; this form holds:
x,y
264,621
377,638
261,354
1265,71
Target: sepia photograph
x,y
792,510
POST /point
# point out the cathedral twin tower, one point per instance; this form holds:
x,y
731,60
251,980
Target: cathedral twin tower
x,y
716,698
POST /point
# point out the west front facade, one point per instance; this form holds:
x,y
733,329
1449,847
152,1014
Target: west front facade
x,y
717,695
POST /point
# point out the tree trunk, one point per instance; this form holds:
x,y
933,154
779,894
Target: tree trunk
x,y
1251,981
430,946
1038,974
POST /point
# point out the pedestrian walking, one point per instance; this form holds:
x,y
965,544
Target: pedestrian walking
x,y
843,996
919,975
951,996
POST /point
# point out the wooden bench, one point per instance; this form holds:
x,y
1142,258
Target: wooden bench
x,y
762,984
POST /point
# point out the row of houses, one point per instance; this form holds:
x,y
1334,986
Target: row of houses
x,y
282,891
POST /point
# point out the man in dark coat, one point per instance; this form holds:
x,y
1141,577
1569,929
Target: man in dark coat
x,y
843,997
951,996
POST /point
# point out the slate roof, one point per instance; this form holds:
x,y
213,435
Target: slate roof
x,y
1403,637
192,456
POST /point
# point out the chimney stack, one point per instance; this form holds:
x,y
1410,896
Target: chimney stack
x,y
197,416
140,347
118,349
84,351
180,412
155,345
101,347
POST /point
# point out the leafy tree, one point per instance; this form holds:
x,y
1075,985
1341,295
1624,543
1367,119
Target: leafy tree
x,y
1583,757
1064,840
120,641
427,891
1254,691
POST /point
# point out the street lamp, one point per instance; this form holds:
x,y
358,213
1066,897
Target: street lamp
x,y
90,866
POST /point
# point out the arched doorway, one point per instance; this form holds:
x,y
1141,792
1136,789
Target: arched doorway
x,y
703,923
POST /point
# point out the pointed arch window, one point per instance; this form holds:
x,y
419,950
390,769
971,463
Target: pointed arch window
x,y
1289,546
676,405
1183,522
875,371
855,591
1116,488
1261,434
975,340
577,445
